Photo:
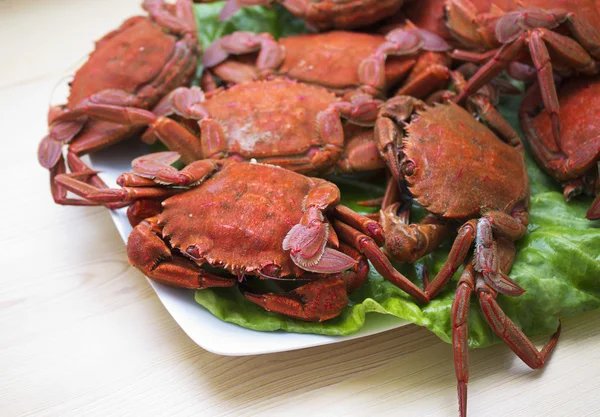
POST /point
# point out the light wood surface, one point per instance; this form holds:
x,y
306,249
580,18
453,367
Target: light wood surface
x,y
82,332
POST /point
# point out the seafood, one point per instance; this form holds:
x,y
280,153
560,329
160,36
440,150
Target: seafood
x,y
135,65
467,177
225,221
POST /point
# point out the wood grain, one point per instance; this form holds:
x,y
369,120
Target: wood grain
x,y
82,332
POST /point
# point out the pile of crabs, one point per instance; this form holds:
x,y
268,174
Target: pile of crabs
x,y
411,94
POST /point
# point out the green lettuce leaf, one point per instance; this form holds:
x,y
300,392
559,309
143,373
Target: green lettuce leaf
x,y
557,262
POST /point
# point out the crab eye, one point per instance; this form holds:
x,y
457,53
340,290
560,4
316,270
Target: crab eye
x,y
193,251
271,270
408,168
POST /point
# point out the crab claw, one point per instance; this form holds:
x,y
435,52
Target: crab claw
x,y
49,152
432,42
316,301
306,244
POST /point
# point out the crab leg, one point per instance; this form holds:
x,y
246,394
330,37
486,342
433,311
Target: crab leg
x,y
120,197
399,42
506,54
369,248
157,167
270,56
459,316
59,191
179,139
568,51
50,151
474,57
509,332
487,260
456,257
492,117
370,227
460,334
149,253
154,166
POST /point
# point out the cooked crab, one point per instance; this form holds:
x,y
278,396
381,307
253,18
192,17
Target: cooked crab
x,y
134,65
468,178
247,219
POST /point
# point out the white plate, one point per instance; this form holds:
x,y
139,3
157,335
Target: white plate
x,y
201,326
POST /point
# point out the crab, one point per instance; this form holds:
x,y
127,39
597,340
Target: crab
x,y
248,219
467,177
340,61
576,162
134,65
327,14
552,35
280,122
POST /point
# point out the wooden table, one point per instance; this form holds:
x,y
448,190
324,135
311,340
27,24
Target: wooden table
x,y
82,332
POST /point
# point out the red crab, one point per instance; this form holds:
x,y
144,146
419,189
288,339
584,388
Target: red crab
x,y
340,61
248,220
575,163
280,122
326,14
135,65
552,35
483,188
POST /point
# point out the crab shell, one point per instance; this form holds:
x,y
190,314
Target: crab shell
x,y
342,14
457,168
579,100
333,59
126,59
238,218
275,121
